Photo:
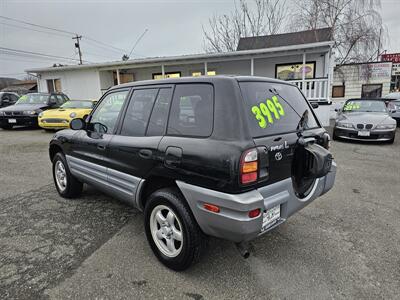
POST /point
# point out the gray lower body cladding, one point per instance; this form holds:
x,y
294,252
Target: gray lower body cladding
x,y
120,185
233,222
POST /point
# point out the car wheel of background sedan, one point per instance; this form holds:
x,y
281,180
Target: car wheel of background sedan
x,y
7,127
66,184
171,230
334,136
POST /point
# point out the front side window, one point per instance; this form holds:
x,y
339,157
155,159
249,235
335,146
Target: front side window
x,y
105,116
275,108
192,110
138,112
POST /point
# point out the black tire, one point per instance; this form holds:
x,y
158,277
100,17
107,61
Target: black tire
x,y
194,241
7,127
334,136
73,187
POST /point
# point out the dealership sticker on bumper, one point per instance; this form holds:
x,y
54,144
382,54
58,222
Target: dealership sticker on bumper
x,y
363,133
270,216
12,121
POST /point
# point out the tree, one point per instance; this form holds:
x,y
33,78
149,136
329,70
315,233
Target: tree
x,y
261,17
356,26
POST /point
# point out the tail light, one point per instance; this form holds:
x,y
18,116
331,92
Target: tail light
x,y
249,166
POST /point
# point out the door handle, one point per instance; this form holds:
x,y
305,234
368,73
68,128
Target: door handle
x,y
101,147
145,153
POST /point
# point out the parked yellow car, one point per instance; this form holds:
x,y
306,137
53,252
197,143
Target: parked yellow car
x,y
61,117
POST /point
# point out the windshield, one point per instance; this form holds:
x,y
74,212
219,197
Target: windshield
x,y
364,106
275,108
33,99
78,104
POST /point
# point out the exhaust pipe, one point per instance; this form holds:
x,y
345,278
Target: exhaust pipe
x,y
243,248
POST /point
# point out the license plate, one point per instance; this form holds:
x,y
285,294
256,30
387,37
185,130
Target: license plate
x,y
363,133
270,216
12,121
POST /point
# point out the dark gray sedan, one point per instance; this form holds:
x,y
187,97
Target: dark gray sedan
x,y
365,119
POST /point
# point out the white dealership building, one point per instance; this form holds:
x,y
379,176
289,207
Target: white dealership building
x,y
303,58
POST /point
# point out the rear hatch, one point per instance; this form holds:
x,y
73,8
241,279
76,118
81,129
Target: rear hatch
x,y
275,114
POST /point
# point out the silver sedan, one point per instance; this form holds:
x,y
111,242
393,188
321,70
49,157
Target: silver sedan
x,y
365,119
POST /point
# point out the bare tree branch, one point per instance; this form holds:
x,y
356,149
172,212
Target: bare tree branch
x,y
259,17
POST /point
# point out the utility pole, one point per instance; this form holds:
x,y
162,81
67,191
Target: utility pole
x,y
78,46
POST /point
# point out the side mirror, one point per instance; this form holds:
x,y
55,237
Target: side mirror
x,y
77,124
314,105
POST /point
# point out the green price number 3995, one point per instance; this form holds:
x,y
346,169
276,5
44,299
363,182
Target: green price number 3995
x,y
266,112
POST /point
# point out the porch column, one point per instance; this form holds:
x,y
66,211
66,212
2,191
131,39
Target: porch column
x,y
252,66
162,71
303,75
205,68
329,75
118,78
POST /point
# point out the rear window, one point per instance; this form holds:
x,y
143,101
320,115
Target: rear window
x,y
274,108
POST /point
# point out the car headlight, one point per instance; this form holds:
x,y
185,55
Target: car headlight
x,y
72,115
389,126
30,112
345,125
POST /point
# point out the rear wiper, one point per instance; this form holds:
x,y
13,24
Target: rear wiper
x,y
303,117
302,123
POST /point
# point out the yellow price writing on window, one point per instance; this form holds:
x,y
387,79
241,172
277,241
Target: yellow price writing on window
x,y
268,111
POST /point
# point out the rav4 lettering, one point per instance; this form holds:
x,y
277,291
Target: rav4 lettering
x,y
267,111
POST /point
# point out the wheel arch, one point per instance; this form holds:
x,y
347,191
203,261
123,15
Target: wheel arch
x,y
53,150
150,185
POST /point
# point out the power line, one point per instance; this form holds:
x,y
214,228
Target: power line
x,y
64,32
36,25
26,28
104,44
37,53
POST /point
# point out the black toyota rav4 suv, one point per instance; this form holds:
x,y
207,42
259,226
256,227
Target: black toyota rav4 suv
x,y
224,156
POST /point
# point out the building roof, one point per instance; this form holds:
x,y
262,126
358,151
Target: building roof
x,y
191,58
285,39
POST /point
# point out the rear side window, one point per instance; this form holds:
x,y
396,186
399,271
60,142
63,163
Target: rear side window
x,y
192,110
138,112
274,108
159,114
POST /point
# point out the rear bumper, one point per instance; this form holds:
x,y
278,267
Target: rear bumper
x,y
19,120
232,222
375,135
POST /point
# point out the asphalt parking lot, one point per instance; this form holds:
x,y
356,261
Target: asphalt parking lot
x,y
343,245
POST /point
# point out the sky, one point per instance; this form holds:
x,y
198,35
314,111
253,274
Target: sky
x,y
174,27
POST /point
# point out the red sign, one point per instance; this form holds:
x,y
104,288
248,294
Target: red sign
x,y
393,57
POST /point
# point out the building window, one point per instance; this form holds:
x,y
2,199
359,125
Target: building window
x,y
294,71
53,85
338,91
371,91
167,75
199,73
